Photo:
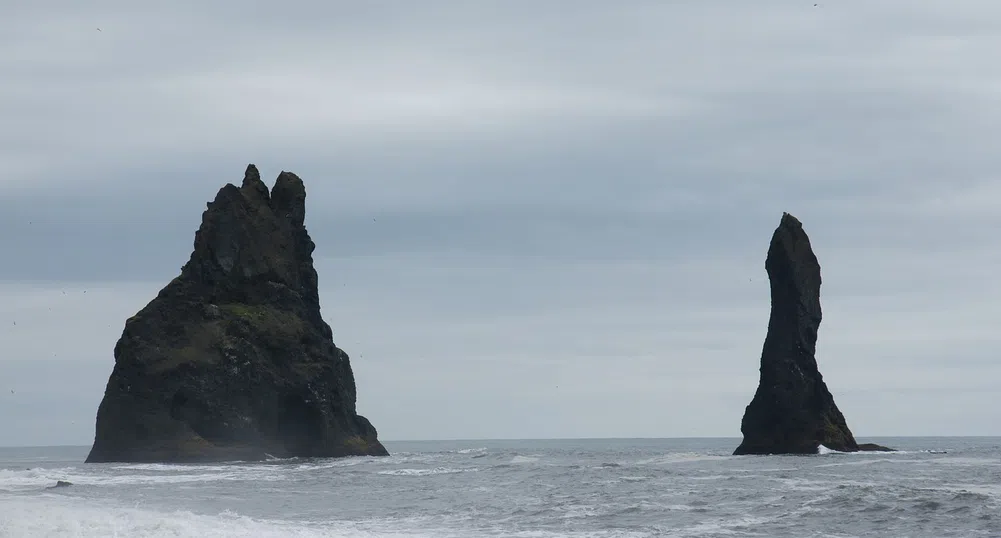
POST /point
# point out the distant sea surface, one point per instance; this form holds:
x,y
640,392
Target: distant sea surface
x,y
934,487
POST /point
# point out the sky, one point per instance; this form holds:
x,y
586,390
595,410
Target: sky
x,y
541,219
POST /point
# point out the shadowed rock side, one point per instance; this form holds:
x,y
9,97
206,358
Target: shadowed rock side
x,y
792,411
232,361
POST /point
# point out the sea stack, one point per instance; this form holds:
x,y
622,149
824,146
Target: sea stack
x,y
792,411
232,360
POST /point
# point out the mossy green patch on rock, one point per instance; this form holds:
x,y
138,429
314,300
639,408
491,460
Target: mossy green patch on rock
x,y
266,319
200,346
356,445
193,445
835,436
311,369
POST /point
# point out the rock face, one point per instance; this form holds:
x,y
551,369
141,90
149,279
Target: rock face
x,y
232,361
792,411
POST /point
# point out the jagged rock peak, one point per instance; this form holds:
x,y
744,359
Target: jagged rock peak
x,y
289,197
790,221
253,186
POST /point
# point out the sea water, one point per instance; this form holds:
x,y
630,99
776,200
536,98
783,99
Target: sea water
x,y
933,487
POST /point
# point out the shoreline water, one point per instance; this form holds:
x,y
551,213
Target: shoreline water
x,y
528,488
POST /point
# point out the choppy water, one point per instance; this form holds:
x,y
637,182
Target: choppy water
x,y
593,488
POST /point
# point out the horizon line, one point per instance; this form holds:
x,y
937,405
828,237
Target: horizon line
x,y
483,439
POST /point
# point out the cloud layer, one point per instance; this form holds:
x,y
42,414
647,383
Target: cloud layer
x,y
554,216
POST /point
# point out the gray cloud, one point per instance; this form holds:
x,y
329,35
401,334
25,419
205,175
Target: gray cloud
x,y
507,200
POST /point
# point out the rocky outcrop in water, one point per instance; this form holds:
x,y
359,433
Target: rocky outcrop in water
x,y
792,411
232,360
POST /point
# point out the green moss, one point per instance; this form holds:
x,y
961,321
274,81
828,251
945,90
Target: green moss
x,y
310,370
200,345
195,443
833,433
356,445
266,320
243,310
189,354
202,341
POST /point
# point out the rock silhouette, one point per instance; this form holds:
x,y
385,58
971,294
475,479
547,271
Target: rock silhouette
x,y
792,411
232,360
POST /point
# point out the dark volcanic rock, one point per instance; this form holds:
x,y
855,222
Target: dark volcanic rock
x,y
232,359
792,411
873,447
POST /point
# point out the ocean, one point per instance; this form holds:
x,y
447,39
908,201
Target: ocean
x,y
933,487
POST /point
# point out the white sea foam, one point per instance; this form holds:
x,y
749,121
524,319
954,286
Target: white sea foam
x,y
179,467
802,484
822,450
58,517
766,470
524,459
723,526
967,461
992,491
682,457
576,511
426,472
13,480
355,461
712,477
39,477
471,450
679,507
868,462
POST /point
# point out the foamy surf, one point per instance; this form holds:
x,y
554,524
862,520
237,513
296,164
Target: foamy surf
x,y
426,472
32,479
525,489
683,457
471,450
28,479
67,517
81,519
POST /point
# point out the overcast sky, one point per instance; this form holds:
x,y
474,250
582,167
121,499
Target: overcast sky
x,y
533,219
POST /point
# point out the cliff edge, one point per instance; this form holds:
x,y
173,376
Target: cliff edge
x,y
792,411
232,360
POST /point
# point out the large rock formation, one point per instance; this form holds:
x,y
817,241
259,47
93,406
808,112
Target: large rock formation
x,y
792,411
232,361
